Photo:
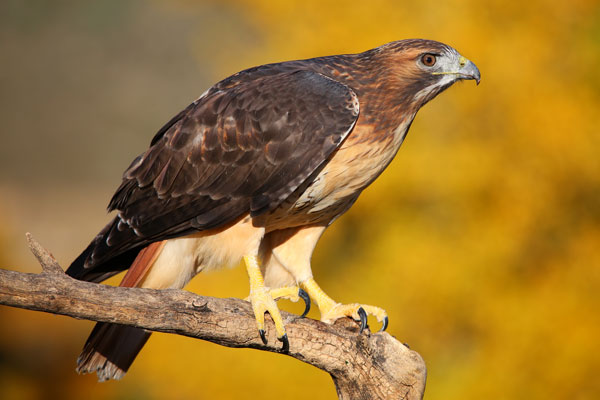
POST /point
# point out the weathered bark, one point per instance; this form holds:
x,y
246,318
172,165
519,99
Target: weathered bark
x,y
363,366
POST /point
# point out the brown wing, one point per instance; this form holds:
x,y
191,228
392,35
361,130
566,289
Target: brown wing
x,y
242,148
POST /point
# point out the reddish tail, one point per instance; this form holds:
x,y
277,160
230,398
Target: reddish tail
x,y
110,349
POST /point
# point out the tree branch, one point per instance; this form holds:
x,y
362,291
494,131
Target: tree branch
x,y
363,366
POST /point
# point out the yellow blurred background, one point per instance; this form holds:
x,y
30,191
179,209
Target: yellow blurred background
x,y
481,240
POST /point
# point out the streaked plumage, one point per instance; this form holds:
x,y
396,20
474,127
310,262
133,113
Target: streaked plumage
x,y
261,164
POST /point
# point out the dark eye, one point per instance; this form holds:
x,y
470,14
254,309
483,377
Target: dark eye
x,y
428,60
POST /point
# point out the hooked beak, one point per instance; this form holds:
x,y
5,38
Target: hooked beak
x,y
468,70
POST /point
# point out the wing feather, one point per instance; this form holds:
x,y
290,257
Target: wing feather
x,y
243,147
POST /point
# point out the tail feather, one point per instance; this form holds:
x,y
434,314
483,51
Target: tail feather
x,y
111,348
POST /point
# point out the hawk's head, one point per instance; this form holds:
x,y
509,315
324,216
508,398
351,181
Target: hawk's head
x,y
421,69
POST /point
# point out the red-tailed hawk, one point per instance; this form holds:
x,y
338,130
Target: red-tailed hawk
x,y
255,170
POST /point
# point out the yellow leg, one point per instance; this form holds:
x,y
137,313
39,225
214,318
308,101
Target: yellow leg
x,y
262,301
332,311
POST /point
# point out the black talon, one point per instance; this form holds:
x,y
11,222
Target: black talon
x,y
286,343
263,336
304,296
385,324
363,319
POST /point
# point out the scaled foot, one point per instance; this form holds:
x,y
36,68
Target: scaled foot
x,y
292,293
332,311
264,300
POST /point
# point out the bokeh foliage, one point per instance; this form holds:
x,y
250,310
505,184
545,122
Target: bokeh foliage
x,y
481,239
